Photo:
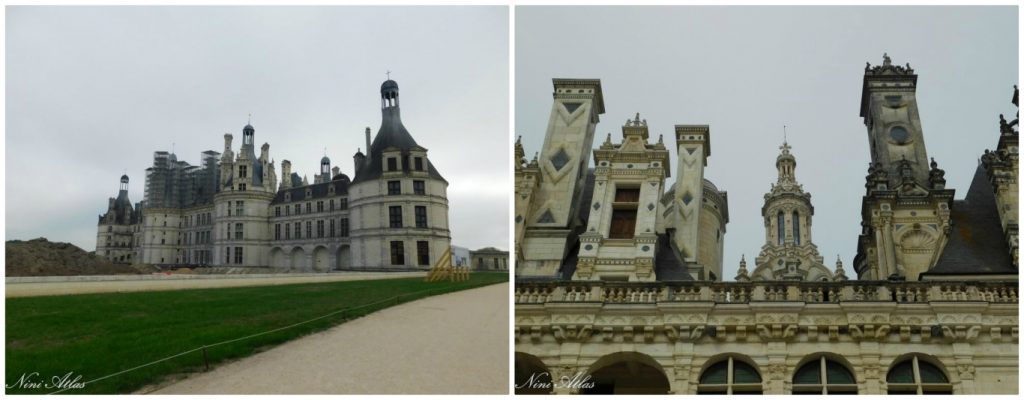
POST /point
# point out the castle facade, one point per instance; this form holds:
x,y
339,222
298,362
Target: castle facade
x,y
231,211
619,285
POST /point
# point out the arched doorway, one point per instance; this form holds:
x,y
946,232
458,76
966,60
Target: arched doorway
x,y
277,258
531,377
298,258
344,257
321,259
627,373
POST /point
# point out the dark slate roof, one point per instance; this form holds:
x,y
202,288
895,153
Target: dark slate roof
x,y
318,190
392,134
976,243
668,261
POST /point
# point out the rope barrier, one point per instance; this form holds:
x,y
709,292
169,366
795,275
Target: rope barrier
x,y
203,348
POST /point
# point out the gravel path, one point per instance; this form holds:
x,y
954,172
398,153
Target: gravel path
x,y
453,343
176,282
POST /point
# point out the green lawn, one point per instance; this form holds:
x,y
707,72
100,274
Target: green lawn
x,y
95,335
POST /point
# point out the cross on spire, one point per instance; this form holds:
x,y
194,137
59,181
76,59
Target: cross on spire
x,y
785,142
388,73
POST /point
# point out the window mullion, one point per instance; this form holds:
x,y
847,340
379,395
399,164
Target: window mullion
x,y
728,378
917,377
823,375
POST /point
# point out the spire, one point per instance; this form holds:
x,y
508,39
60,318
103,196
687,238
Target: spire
x,y
840,275
742,275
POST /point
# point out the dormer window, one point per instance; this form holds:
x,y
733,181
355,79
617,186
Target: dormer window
x,y
392,163
419,163
241,187
242,171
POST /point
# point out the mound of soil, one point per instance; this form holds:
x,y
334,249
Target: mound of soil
x,y
41,257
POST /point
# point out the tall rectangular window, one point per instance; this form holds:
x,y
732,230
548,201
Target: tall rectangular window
x,y
287,232
395,216
277,231
309,207
627,195
320,228
287,210
394,188
332,227
343,227
238,231
332,204
419,163
623,224
397,253
392,163
320,206
242,171
298,230
309,229
418,187
421,216
238,255
423,252
298,209
227,255
239,208
277,211
344,203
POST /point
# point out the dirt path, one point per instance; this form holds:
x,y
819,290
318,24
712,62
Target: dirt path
x,y
173,282
453,343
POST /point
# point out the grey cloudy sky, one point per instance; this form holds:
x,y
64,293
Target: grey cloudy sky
x,y
747,71
92,92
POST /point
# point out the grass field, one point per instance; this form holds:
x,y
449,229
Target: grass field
x,y
95,335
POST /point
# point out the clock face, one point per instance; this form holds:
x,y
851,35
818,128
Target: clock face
x,y
899,135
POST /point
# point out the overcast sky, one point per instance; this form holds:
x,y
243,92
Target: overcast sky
x,y
92,92
747,71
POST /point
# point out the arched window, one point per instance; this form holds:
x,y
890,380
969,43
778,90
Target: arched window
x,y
915,376
730,376
823,376
781,226
796,228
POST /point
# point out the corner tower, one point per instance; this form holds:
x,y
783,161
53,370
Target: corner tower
x,y
905,212
398,201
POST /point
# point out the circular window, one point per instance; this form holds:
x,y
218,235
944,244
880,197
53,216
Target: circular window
x,y
899,135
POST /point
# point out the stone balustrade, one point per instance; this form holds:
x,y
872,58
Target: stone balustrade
x,y
773,291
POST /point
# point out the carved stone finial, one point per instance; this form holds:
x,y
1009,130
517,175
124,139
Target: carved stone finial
x,y
742,275
886,61
661,139
839,275
934,164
